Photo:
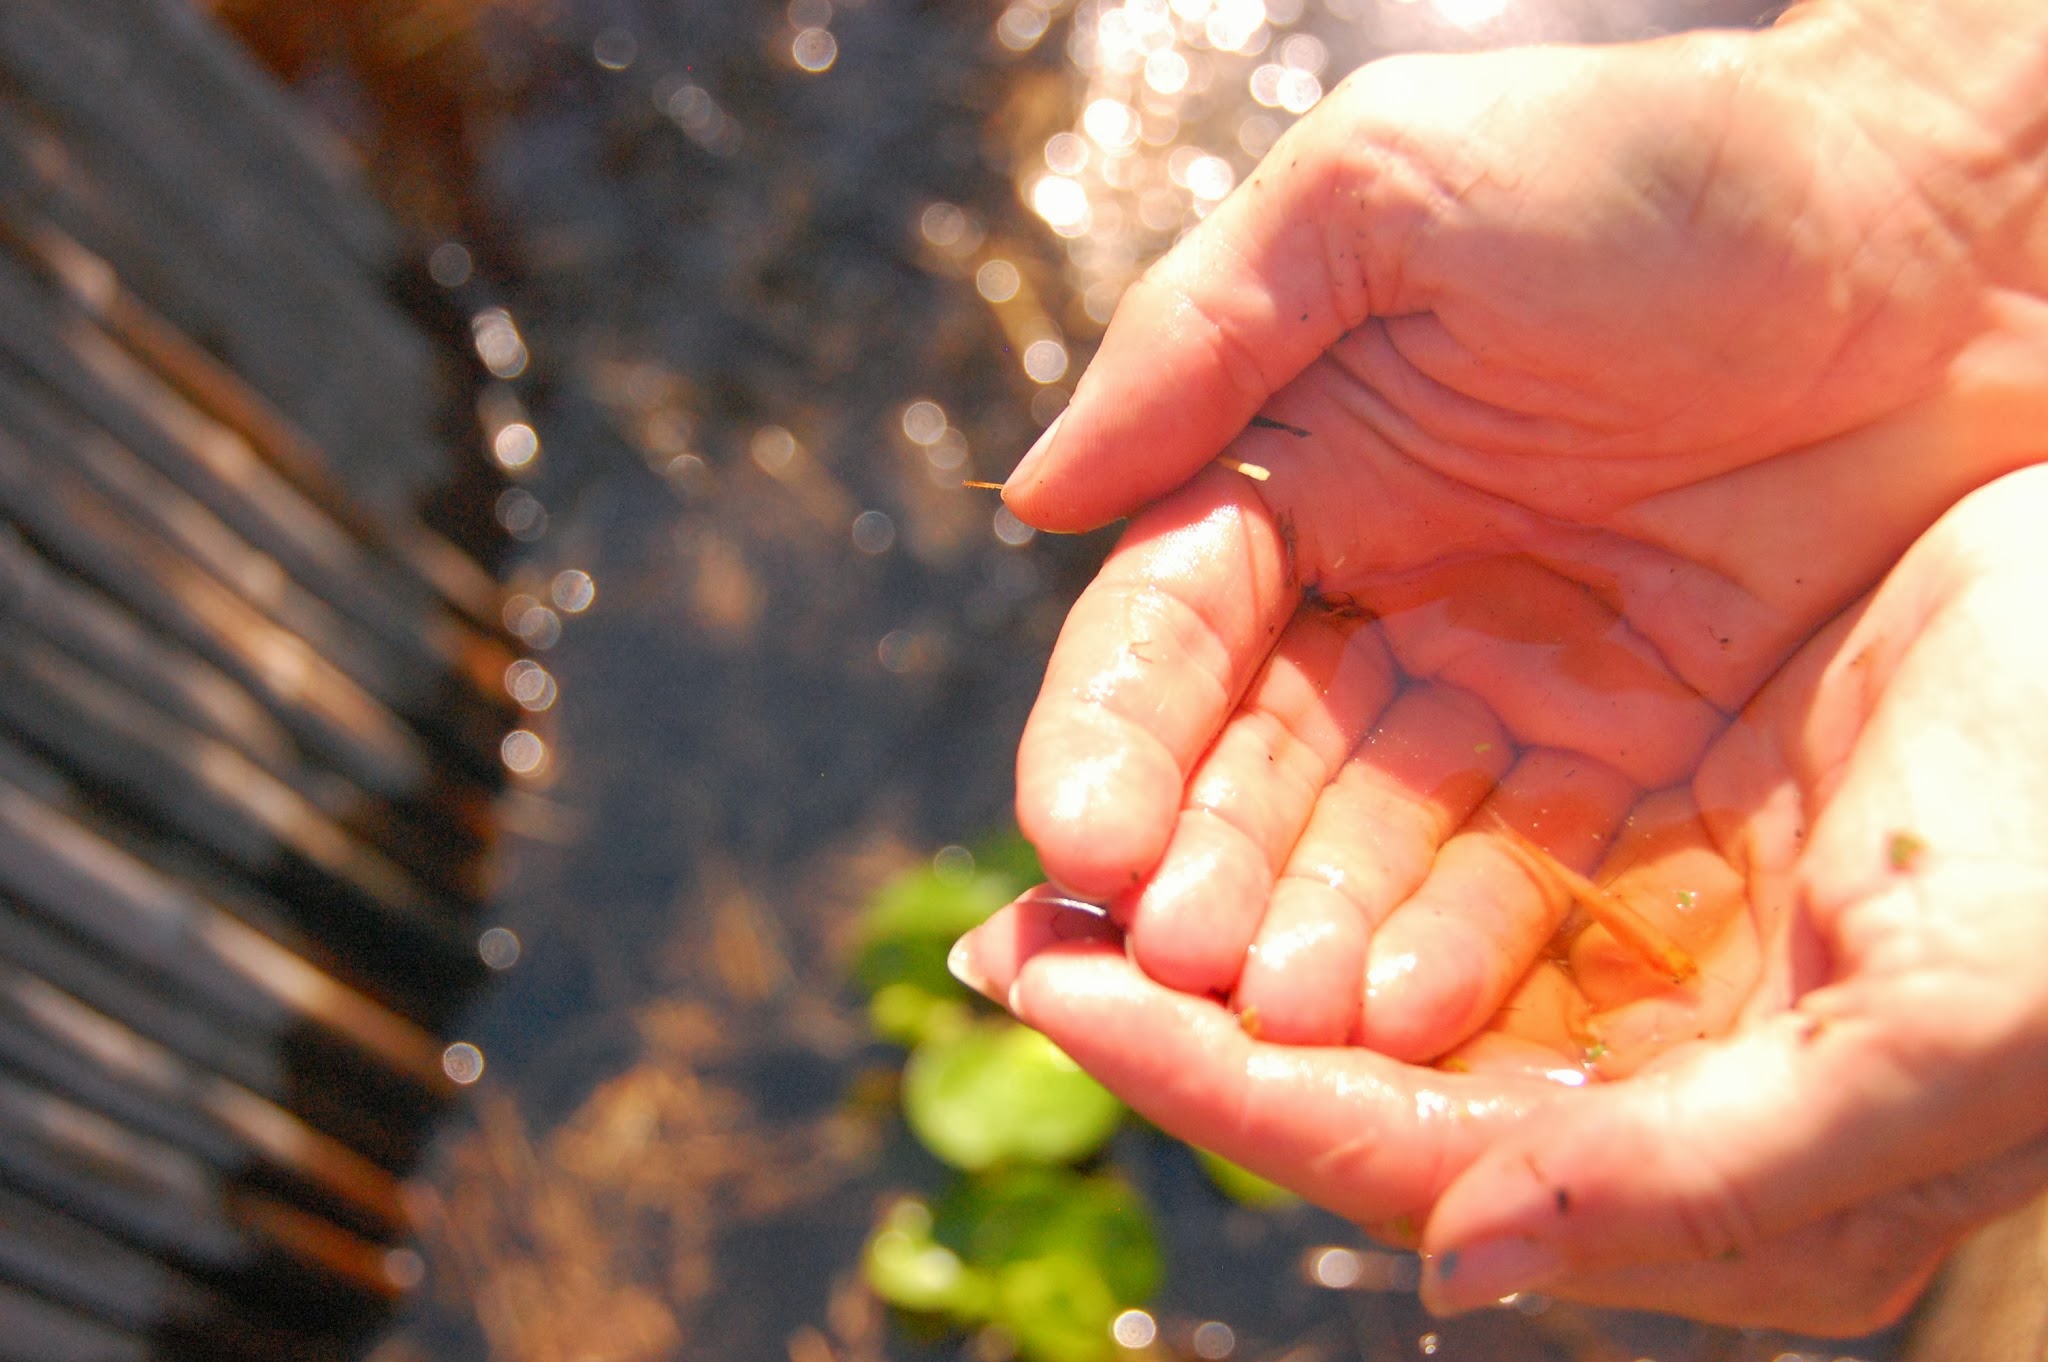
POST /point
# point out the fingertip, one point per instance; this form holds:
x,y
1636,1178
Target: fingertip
x,y
990,958
1418,1009
1457,1280
963,962
1301,977
1095,799
1193,922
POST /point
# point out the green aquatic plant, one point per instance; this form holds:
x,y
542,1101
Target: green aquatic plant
x,y
1035,1235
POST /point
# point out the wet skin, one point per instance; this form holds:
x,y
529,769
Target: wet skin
x,y
1603,392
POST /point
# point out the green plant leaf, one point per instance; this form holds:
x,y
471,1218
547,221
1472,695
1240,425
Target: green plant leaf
x,y
1058,1308
906,1267
907,1015
1022,1214
1241,1184
1008,855
996,1092
914,920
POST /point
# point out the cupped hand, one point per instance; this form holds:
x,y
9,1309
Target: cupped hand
x,y
1881,803
1564,393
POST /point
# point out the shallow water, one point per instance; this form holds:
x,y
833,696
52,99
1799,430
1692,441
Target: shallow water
x,y
765,318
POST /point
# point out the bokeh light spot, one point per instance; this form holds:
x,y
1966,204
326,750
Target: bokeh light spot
x,y
1112,123
1166,71
499,947
1011,530
1021,27
572,591
523,752
498,342
773,450
515,445
463,1062
1214,1341
924,421
873,532
1066,153
1045,361
1134,1329
1062,202
1211,177
1335,1269
814,49
953,864
530,685
615,48
450,265
998,281
522,515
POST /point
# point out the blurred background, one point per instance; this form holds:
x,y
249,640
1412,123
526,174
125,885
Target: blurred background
x,y
690,317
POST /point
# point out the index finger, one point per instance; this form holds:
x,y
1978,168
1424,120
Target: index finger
x,y
1151,662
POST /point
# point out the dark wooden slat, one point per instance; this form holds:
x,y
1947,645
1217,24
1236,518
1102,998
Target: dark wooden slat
x,y
253,124
207,791
67,874
96,287
159,1198
322,1081
99,1278
391,646
36,1330
71,1049
433,836
80,77
71,523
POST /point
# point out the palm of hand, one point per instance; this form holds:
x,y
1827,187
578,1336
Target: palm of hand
x,y
1880,801
1536,524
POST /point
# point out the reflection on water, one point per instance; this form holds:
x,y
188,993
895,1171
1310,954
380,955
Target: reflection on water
x,y
761,286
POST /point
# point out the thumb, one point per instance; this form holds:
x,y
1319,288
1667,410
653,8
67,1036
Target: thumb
x,y
1241,305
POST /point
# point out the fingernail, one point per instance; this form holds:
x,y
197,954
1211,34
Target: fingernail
x,y
1029,465
1482,1273
961,965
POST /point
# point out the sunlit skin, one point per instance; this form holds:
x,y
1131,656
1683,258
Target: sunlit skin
x,y
1604,394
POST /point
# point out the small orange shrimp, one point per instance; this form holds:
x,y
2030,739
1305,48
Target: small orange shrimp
x,y
1629,927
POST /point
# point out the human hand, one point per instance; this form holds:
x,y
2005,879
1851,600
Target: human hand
x,y
1566,349
1884,1090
